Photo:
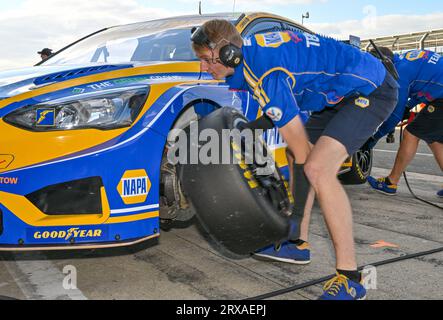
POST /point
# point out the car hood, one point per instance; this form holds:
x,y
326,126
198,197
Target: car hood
x,y
14,82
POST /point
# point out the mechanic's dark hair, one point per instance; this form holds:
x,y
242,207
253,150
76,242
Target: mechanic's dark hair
x,y
218,30
386,52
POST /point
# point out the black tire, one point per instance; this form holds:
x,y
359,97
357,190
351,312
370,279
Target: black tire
x,y
360,169
241,212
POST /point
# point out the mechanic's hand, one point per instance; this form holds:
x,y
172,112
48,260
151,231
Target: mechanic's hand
x,y
370,144
264,123
242,126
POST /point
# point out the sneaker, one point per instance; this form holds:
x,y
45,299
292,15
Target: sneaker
x,y
383,185
287,252
341,288
440,193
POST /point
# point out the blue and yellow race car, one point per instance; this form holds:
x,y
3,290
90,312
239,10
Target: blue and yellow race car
x,y
84,134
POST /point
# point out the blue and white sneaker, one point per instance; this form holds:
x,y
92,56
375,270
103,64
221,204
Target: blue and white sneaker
x,y
341,288
382,185
287,252
440,193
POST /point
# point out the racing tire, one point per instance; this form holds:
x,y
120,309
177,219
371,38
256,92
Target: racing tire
x,y
239,210
360,169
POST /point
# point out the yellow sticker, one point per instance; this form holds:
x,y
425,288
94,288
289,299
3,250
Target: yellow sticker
x,y
272,39
415,55
134,186
362,102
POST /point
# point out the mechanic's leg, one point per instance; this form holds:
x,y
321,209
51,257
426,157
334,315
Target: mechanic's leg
x,y
321,168
304,227
406,152
437,150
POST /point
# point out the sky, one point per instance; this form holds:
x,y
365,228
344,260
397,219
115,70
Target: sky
x,y
27,26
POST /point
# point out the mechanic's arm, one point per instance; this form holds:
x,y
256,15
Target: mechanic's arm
x,y
282,108
294,134
396,116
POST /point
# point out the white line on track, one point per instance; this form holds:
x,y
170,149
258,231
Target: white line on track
x,y
40,279
392,151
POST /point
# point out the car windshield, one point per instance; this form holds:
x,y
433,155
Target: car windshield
x,y
161,40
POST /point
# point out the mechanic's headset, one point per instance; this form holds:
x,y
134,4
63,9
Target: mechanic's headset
x,y
230,55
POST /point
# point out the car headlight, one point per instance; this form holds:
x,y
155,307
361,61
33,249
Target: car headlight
x,y
105,110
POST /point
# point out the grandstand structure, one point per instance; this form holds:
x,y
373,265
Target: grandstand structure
x,y
431,40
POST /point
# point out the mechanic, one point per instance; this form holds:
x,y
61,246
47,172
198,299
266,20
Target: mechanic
x,y
421,81
45,53
351,94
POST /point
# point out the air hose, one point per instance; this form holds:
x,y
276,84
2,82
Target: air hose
x,y
376,264
320,280
407,182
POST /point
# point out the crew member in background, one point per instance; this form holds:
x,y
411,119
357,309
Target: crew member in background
x,y
45,53
421,81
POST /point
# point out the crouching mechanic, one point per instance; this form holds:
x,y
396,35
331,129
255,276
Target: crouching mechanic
x,y
351,93
421,81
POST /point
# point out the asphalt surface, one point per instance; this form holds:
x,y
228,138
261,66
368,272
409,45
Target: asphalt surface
x,y
181,264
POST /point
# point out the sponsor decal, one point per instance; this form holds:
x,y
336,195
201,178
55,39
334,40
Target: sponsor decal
x,y
8,180
295,38
100,86
272,39
5,160
434,59
134,186
274,113
415,55
45,117
312,40
431,109
362,102
58,234
78,90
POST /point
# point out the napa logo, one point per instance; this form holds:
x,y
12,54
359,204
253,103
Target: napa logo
x,y
362,102
45,117
272,39
134,186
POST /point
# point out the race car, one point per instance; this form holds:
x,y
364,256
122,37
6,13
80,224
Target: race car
x,y
84,137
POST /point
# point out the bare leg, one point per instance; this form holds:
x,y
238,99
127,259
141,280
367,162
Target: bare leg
x,y
406,152
437,149
304,228
321,168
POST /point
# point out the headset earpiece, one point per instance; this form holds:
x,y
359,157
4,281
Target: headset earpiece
x,y
231,56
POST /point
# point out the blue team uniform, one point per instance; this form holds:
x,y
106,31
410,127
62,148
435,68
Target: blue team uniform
x,y
303,72
421,81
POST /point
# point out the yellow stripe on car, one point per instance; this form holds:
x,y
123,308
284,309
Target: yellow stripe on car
x,y
31,215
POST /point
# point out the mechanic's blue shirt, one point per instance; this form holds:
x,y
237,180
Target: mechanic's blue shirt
x,y
287,72
421,81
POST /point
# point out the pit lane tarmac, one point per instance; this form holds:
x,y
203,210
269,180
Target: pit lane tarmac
x,y
183,265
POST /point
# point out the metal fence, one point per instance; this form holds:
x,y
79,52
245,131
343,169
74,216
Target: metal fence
x,y
431,40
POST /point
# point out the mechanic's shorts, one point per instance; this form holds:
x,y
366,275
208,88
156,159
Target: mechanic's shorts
x,y
355,119
428,125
